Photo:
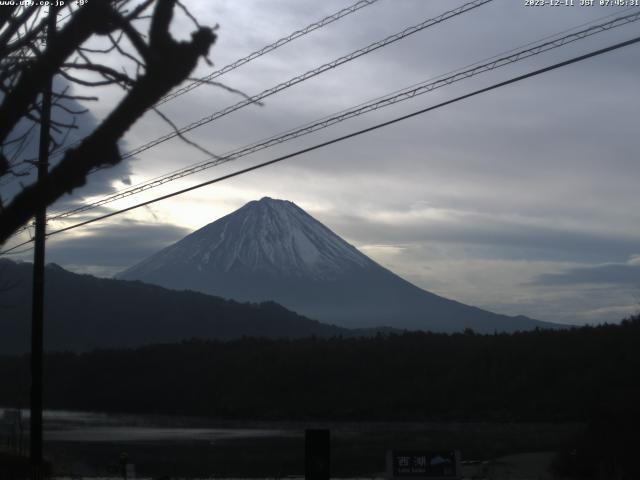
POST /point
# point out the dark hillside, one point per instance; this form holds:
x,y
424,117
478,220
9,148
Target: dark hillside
x,y
83,312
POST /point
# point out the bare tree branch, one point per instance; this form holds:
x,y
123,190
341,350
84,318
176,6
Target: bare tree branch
x,y
81,26
181,135
167,63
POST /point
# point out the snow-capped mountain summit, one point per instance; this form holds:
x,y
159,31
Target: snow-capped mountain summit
x,y
273,250
265,237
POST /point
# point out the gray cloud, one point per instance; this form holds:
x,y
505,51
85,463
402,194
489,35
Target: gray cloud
x,y
504,237
612,274
107,249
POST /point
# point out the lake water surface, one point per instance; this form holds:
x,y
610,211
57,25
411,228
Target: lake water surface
x,y
90,445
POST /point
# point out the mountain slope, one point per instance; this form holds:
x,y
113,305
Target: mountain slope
x,y
273,250
84,312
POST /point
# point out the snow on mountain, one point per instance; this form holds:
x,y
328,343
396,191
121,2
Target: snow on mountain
x,y
266,236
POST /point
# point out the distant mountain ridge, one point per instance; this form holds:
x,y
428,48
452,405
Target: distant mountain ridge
x,y
273,250
83,313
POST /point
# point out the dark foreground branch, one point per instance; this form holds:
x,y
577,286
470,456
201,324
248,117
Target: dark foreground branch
x,y
169,63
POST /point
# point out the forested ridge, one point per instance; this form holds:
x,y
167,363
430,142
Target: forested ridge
x,y
84,313
559,375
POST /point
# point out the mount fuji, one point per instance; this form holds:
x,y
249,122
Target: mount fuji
x,y
273,250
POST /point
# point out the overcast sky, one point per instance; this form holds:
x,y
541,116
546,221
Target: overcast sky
x,y
523,200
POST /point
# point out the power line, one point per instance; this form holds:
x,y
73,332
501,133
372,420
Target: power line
x,y
262,51
344,137
306,76
269,48
381,102
252,56
11,251
310,74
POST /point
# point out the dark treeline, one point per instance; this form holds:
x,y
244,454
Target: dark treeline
x,y
565,375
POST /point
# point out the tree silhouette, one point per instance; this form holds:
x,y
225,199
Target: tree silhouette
x,y
160,63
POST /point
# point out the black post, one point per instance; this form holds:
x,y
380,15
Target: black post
x,y
37,312
317,462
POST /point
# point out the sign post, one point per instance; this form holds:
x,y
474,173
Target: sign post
x,y
317,454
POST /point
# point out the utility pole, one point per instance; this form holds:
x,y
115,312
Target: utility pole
x,y
37,308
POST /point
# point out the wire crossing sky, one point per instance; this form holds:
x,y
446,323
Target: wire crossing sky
x,y
258,53
267,49
256,99
342,138
310,74
406,94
